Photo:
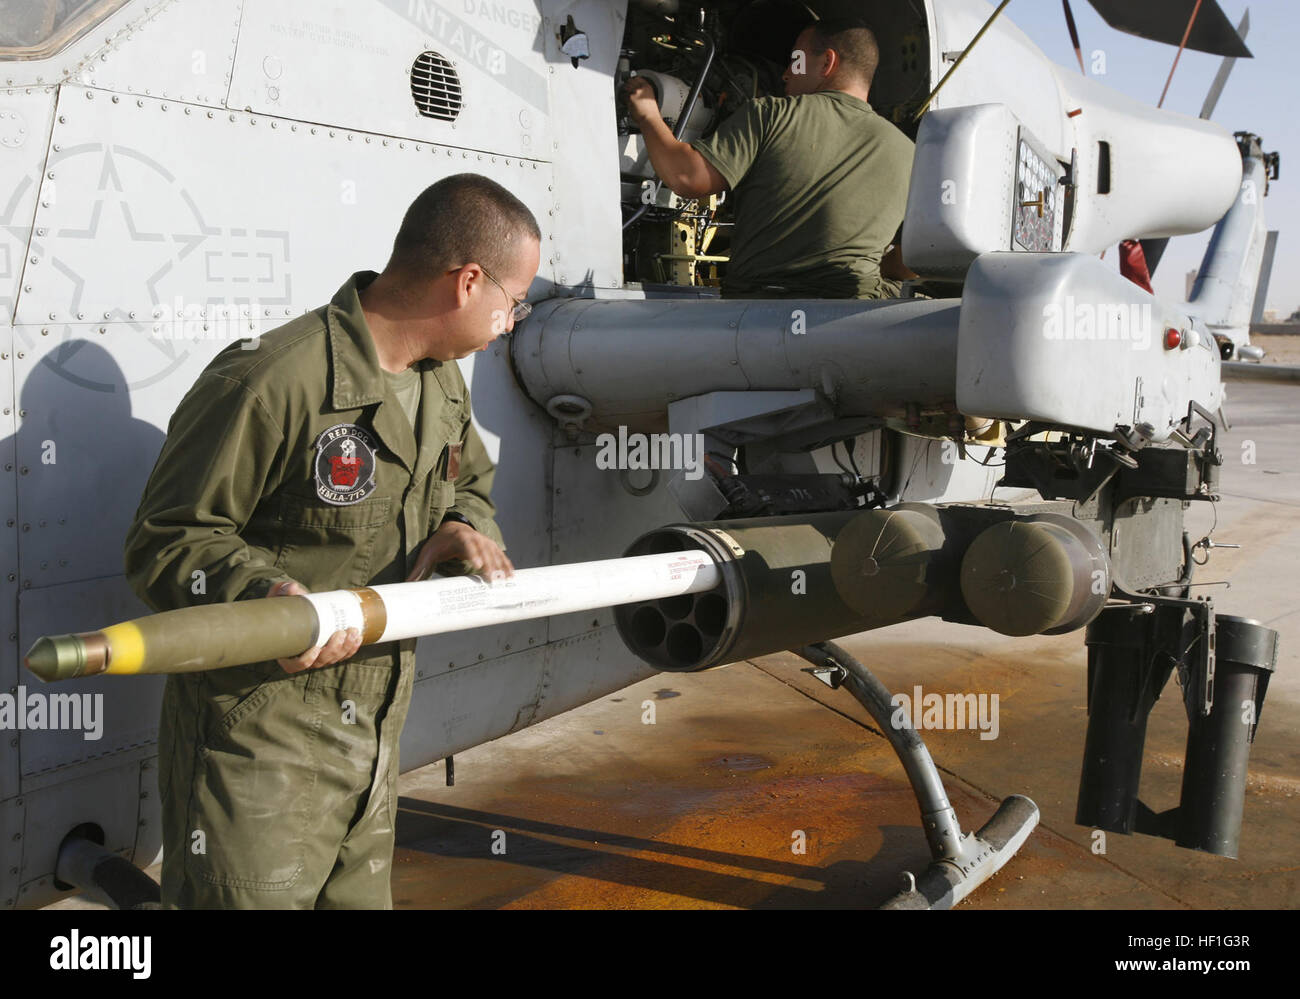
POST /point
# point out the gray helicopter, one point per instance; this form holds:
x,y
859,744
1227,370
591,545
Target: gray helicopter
x,y
180,176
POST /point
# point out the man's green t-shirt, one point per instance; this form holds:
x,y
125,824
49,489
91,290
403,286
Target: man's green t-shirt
x,y
820,183
406,386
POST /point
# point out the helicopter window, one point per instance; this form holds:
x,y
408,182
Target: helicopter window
x,y
1103,168
38,29
435,87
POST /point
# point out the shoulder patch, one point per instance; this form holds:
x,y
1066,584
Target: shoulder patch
x,y
345,464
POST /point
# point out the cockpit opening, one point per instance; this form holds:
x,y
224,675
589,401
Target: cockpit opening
x,y
704,62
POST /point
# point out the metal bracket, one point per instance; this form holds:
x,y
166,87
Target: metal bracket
x,y
1198,675
961,862
832,675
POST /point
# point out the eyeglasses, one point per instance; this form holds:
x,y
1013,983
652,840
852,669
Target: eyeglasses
x,y
520,310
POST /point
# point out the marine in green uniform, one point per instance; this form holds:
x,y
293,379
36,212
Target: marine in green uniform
x,y
338,453
819,179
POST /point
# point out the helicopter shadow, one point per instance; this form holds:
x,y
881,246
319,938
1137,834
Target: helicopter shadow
x,y
78,463
591,855
82,461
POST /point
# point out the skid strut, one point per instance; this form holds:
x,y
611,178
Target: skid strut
x,y
961,862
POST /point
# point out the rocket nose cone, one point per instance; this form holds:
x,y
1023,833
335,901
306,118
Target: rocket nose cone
x,y
58,658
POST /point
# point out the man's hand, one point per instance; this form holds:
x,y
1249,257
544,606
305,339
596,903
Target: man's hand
x,y
455,540
677,163
642,104
342,644
892,266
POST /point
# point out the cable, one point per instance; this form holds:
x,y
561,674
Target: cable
x,y
915,461
1214,508
1074,34
692,96
1186,34
836,456
962,58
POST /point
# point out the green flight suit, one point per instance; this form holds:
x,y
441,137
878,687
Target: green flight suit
x,y
294,460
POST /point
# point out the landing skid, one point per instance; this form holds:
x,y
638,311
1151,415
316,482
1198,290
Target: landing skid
x,y
962,861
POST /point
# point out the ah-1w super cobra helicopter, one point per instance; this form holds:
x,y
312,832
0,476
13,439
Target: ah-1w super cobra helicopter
x,y
179,175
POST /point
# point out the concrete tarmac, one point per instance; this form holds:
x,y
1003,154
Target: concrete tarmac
x,y
757,786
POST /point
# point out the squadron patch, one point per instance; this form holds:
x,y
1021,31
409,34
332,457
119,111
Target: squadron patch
x,y
345,464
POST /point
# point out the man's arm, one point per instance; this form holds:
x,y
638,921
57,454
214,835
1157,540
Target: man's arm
x,y
468,531
221,456
474,486
678,165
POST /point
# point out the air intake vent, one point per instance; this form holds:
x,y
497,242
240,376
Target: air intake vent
x,y
435,87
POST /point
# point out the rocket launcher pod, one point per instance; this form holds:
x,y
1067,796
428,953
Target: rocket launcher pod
x,y
782,585
788,582
247,631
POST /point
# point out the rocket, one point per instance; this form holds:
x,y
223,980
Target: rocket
x,y
213,636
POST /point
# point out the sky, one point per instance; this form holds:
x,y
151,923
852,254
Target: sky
x,y
1262,96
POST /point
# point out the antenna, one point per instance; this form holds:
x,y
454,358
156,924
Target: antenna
x,y
1181,45
1074,34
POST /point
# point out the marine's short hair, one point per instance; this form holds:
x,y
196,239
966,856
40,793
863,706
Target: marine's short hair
x,y
458,220
854,41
